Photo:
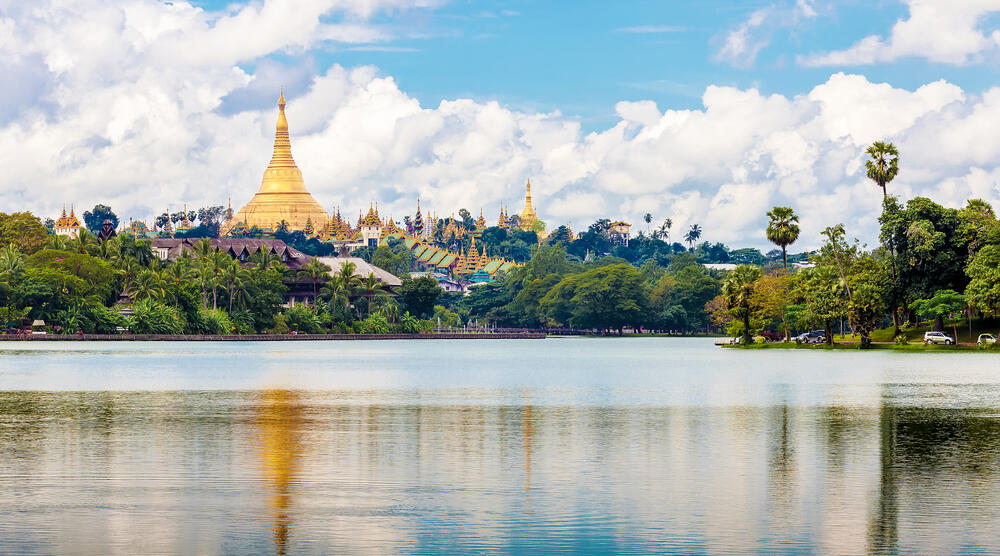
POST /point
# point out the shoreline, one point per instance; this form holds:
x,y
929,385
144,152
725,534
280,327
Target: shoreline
x,y
270,337
879,346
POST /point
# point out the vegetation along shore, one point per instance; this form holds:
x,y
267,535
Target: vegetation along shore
x,y
933,268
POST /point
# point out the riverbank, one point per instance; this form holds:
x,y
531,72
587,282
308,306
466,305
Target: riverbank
x,y
270,337
883,346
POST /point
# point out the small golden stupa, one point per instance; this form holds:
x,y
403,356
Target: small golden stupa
x,y
528,217
282,195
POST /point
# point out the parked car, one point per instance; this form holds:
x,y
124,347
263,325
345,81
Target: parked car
x,y
813,337
938,338
985,339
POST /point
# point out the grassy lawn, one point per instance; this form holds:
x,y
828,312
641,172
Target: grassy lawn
x,y
854,346
916,334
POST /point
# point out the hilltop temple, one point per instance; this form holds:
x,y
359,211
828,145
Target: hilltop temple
x,y
282,195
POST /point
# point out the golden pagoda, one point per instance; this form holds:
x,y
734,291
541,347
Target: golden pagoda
x,y
282,194
528,218
481,221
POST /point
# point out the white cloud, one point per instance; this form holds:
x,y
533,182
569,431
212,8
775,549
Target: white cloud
x,y
740,45
946,32
126,125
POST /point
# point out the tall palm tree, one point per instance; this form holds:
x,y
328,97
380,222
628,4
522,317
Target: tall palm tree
x,y
176,276
648,219
692,235
882,165
340,290
148,285
128,269
314,271
783,229
371,287
738,290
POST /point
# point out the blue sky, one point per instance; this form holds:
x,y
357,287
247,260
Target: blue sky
x,y
707,113
583,57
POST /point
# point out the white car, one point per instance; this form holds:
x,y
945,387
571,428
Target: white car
x,y
938,338
985,339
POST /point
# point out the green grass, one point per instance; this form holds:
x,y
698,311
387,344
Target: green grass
x,y
916,334
855,347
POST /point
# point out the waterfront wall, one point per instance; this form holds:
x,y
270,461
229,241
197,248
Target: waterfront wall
x,y
271,337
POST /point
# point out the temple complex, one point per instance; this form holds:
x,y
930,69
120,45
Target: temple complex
x,y
67,225
282,196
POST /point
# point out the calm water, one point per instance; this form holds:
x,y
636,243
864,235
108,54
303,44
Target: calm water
x,y
590,445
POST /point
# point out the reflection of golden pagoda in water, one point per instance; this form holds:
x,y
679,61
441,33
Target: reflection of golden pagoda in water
x,y
279,420
282,195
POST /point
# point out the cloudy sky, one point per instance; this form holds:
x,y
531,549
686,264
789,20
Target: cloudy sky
x,y
707,112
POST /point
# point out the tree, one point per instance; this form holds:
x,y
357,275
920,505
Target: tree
x,y
22,230
648,219
95,218
822,291
867,306
738,291
608,297
314,271
942,304
420,294
882,164
692,235
771,298
983,291
783,229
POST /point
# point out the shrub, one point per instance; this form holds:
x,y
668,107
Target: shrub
x,y
216,321
374,324
900,340
152,317
302,319
280,325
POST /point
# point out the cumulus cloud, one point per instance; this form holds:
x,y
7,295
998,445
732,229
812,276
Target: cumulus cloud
x,y
127,125
943,32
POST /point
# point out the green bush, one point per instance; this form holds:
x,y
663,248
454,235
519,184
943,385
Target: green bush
x,y
302,319
216,321
280,325
900,340
152,317
374,324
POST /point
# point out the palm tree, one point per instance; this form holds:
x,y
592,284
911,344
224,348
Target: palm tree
x,y
264,258
340,290
371,287
314,271
738,289
783,229
232,278
128,268
648,219
176,276
58,242
148,285
692,235
883,164
11,261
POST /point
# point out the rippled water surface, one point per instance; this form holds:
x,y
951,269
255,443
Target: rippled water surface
x,y
589,445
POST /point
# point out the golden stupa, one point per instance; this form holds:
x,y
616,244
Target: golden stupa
x,y
282,195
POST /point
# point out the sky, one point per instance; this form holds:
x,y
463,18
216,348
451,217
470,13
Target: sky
x,y
708,113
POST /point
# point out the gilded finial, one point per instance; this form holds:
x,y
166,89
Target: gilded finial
x,y
281,99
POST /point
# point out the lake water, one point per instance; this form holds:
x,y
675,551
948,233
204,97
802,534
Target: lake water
x,y
564,444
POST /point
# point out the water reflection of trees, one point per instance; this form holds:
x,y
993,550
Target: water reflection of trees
x,y
933,456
